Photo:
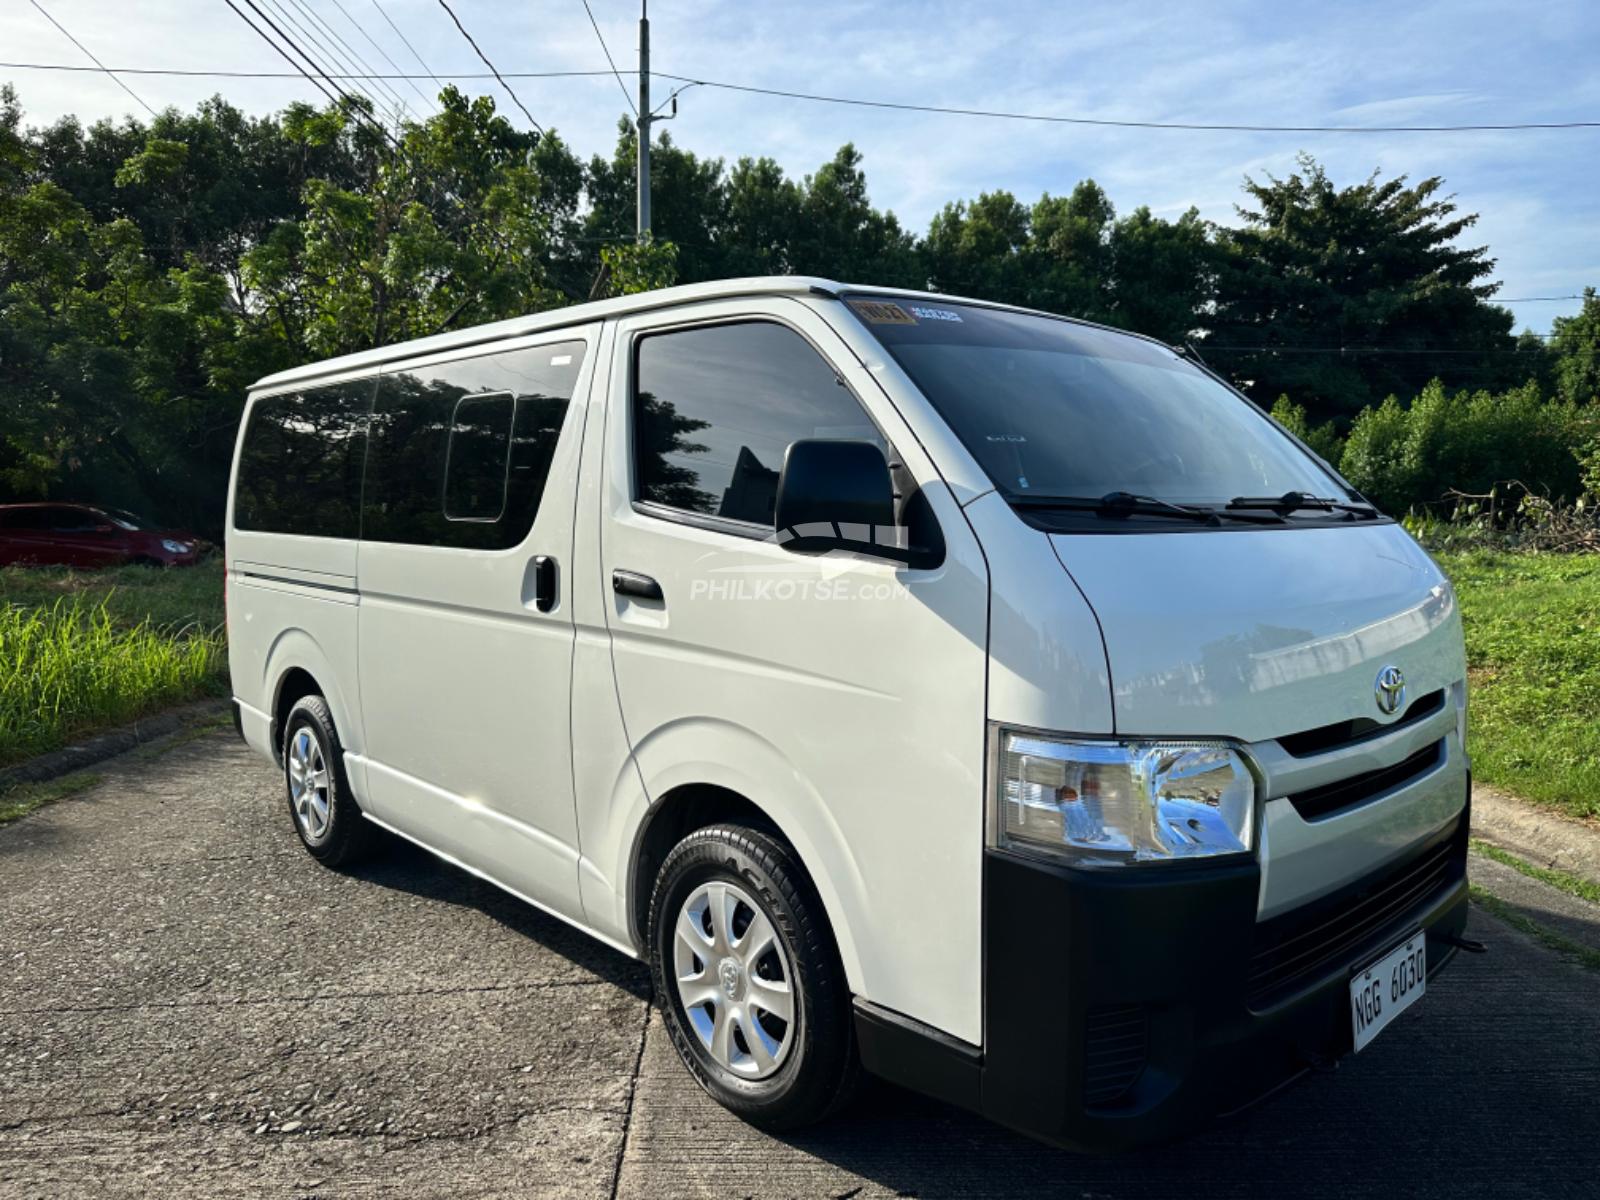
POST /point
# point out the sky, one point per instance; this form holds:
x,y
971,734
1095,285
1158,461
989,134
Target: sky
x,y
1276,62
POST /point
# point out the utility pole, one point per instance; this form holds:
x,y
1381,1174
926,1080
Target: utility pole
x,y
645,120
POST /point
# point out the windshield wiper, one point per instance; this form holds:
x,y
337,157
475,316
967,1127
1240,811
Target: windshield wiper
x,y
1295,501
1123,504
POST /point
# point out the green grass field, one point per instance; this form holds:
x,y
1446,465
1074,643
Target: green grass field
x,y
1533,654
82,650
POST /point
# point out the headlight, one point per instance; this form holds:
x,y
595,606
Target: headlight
x,y
172,547
1108,803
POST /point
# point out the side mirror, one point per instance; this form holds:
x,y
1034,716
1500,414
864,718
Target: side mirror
x,y
837,495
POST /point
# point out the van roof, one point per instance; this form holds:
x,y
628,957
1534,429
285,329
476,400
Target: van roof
x,y
595,310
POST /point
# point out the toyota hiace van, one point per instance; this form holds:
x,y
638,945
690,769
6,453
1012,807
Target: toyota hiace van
x,y
996,702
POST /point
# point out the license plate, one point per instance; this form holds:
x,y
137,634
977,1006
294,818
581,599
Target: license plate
x,y
1381,992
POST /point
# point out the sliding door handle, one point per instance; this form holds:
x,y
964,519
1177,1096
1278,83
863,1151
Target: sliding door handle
x,y
544,582
640,587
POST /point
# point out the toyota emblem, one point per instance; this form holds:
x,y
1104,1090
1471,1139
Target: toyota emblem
x,y
1390,690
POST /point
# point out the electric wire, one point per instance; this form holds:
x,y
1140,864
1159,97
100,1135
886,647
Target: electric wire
x,y
1185,126
626,95
325,52
445,4
373,42
100,65
384,13
356,60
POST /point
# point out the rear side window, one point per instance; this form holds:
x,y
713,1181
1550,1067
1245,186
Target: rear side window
x,y
300,465
478,458
461,450
716,408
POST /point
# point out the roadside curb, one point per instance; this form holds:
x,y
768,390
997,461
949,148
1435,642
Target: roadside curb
x,y
1534,835
111,743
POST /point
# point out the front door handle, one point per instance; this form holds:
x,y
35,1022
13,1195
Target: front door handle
x,y
640,587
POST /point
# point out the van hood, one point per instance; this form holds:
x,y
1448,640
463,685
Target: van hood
x,y
1257,633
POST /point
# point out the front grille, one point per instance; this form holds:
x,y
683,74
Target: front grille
x,y
1296,949
1348,733
1114,1052
1356,789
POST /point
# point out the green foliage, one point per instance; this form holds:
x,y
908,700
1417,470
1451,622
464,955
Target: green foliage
x,y
639,266
1467,442
71,667
1340,296
1531,621
1576,350
1324,440
150,272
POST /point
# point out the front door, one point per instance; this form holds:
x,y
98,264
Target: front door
x,y
466,627
842,695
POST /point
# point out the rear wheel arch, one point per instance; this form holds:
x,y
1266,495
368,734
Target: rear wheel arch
x,y
294,685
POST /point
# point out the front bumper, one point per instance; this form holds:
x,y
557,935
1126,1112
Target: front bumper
x,y
1128,1008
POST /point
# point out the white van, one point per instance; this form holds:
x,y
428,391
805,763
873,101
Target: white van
x,y
996,702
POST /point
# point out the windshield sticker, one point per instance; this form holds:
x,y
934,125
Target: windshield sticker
x,y
934,314
881,312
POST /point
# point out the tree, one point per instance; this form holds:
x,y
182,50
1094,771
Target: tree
x,y
1339,296
1575,350
460,224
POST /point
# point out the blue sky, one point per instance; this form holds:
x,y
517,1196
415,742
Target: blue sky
x,y
1227,61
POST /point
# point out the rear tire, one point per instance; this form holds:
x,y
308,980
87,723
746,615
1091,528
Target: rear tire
x,y
738,943
324,813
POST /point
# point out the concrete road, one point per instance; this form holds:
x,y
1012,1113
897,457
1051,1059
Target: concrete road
x,y
189,1006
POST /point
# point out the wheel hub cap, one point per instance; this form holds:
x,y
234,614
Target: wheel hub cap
x,y
734,980
308,784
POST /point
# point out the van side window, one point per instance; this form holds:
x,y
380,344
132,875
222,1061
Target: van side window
x,y
300,465
477,458
715,409
461,450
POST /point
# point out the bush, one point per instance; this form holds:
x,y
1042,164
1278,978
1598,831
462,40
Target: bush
x,y
1324,440
1449,444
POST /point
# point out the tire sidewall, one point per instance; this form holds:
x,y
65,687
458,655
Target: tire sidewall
x,y
311,713
700,860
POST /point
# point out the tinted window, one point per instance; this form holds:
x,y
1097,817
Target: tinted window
x,y
715,409
461,451
477,458
1053,408
300,466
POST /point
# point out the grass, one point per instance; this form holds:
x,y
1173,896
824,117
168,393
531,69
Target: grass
x,y
1502,911
1533,653
1570,884
81,651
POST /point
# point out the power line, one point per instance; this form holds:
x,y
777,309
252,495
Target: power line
x,y
208,74
1194,126
607,50
326,51
383,12
92,58
290,42
398,104
362,30
1531,299
1189,126
445,4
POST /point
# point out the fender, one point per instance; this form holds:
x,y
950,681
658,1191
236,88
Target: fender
x,y
702,750
295,647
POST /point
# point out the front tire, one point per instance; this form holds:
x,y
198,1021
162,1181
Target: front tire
x,y
749,979
324,813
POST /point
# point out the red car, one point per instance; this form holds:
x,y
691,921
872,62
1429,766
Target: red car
x,y
84,535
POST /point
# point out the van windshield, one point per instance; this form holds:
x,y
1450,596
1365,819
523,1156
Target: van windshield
x,y
1051,408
